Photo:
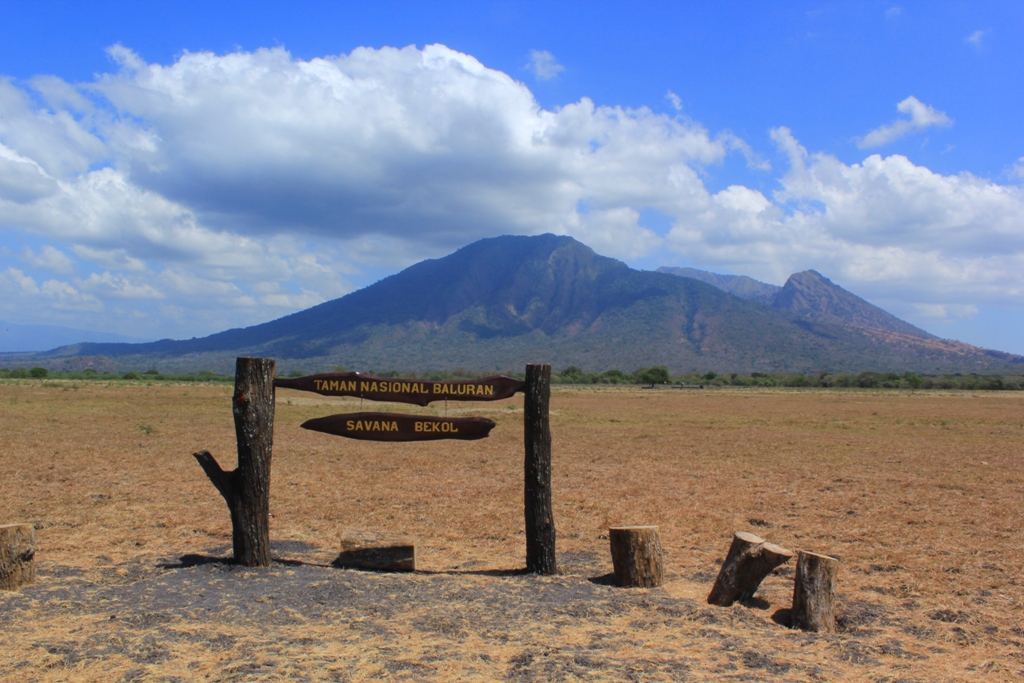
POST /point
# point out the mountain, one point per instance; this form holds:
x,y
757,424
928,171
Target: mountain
x,y
809,295
740,285
21,338
499,303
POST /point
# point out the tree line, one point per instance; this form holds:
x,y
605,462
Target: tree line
x,y
658,375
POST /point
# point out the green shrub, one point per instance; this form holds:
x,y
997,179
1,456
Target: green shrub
x,y
653,375
20,373
38,373
131,375
573,375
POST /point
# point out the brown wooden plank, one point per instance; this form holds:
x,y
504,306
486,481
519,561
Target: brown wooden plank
x,y
416,391
397,427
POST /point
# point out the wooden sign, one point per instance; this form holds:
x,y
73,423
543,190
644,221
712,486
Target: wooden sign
x,y
416,391
396,427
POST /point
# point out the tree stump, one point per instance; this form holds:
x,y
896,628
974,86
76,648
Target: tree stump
x,y
750,559
540,520
17,555
814,593
364,550
246,489
637,556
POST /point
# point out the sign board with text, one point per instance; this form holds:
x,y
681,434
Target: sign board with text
x,y
397,427
416,391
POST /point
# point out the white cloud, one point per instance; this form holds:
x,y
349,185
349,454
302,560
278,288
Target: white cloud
x,y
14,282
975,38
921,116
426,145
615,230
22,180
674,100
51,259
1017,170
118,287
947,310
112,259
544,65
19,288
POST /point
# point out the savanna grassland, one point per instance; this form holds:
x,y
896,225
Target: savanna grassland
x,y
921,496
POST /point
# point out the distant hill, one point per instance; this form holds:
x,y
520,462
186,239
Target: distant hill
x,y
810,295
499,303
21,338
740,285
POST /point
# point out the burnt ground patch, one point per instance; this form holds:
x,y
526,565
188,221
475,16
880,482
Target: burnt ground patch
x,y
173,619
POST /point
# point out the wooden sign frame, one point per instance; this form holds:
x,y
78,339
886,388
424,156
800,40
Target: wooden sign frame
x,y
246,489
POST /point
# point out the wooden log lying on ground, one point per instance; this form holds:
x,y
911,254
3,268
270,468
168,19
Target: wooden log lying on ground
x,y
17,555
246,489
637,556
364,550
814,593
750,559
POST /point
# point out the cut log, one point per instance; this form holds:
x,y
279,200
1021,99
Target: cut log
x,y
750,559
17,555
637,556
540,520
246,489
364,550
814,593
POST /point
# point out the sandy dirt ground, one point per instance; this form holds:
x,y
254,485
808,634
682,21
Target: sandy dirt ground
x,y
920,495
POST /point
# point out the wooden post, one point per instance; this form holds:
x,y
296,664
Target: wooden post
x,y
17,555
637,556
247,488
750,559
540,521
814,592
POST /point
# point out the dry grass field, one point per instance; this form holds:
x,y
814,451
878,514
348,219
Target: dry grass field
x,y
920,495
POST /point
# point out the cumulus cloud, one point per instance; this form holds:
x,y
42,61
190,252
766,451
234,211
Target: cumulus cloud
x,y
921,116
51,259
1017,170
20,289
544,65
418,144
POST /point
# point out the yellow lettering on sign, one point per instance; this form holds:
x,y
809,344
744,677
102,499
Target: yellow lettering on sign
x,y
372,426
445,427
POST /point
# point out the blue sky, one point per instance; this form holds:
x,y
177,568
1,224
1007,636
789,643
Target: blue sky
x,y
175,169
